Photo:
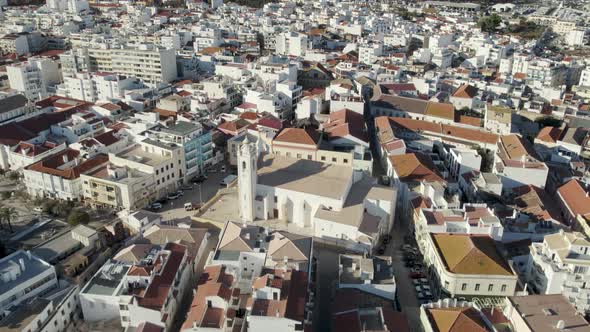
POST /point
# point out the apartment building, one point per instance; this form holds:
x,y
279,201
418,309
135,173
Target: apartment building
x,y
291,43
470,219
118,187
14,43
195,142
151,64
518,164
24,276
560,265
34,77
148,290
468,265
58,176
93,87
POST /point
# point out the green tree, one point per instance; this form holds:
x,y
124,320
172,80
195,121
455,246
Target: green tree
x,y
78,217
61,209
8,214
489,23
14,176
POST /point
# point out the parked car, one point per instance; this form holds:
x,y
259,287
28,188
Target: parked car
x,y
417,275
186,187
172,196
162,200
38,209
180,193
199,179
409,263
416,282
155,206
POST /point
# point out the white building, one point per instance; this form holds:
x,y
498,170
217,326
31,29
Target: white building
x,y
292,43
476,219
140,221
24,276
326,198
518,164
149,290
468,265
498,119
58,175
560,265
34,77
369,275
153,65
369,53
92,87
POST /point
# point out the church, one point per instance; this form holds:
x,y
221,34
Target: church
x,y
335,202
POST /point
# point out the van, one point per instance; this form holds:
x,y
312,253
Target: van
x,y
227,180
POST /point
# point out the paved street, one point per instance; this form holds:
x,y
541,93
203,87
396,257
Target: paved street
x,y
175,209
405,289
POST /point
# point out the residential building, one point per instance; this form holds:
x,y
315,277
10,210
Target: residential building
x,y
34,77
370,275
469,265
534,313
24,276
559,265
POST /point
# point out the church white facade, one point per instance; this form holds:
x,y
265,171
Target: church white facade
x,y
335,202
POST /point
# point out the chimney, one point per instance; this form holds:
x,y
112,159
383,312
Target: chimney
x,y
28,254
560,325
22,264
65,157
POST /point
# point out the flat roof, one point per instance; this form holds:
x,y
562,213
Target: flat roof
x,y
107,279
33,267
57,246
137,154
542,312
305,176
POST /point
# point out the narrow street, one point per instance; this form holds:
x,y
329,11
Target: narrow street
x,y
187,297
405,289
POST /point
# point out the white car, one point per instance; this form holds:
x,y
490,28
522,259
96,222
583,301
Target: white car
x,y
38,209
156,206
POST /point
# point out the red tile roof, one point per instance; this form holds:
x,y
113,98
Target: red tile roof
x,y
298,136
575,198
53,164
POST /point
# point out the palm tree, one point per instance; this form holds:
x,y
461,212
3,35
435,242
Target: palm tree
x,y
8,213
1,215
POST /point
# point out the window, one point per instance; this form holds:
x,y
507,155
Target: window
x,y
333,160
157,172
276,199
503,289
464,287
476,287
345,161
299,156
288,154
309,157
323,158
490,288
171,165
446,285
